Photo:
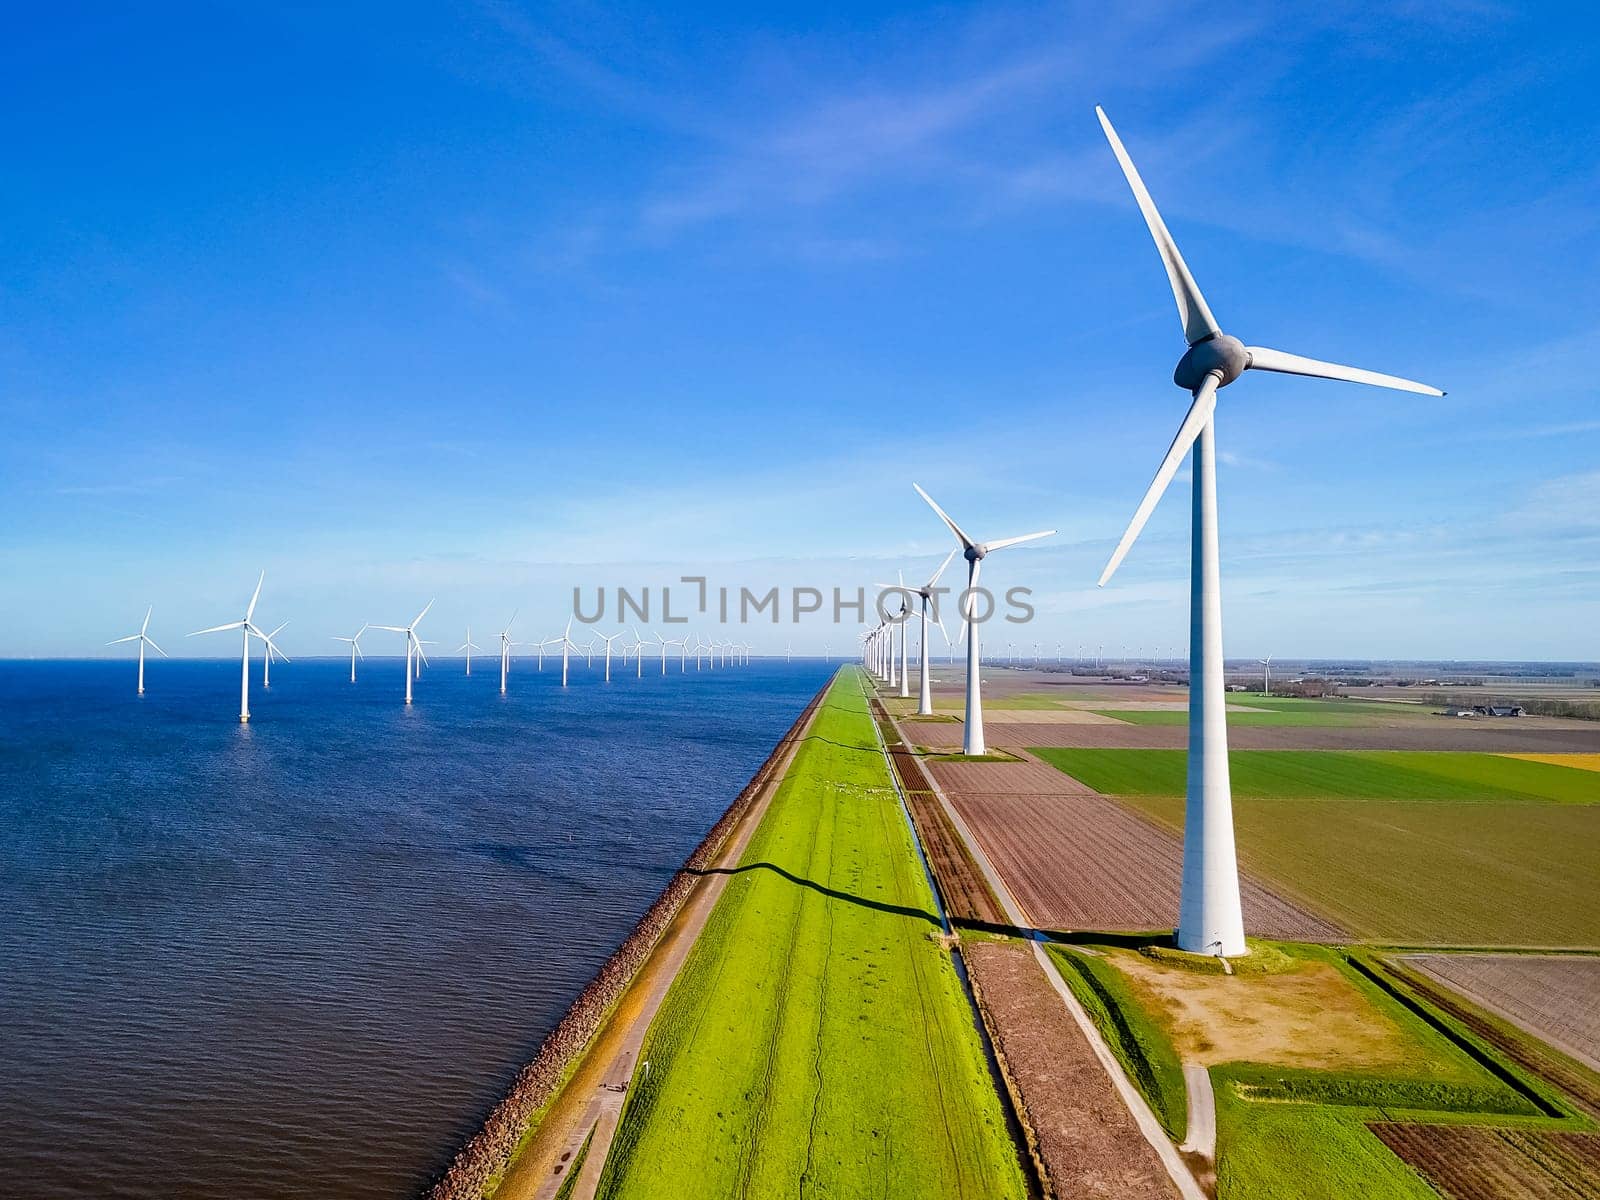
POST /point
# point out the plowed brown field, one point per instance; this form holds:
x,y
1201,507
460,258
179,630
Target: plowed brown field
x,y
1084,1135
1086,862
1508,737
1473,1162
1556,997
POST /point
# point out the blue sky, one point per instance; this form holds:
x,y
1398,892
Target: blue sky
x,y
488,303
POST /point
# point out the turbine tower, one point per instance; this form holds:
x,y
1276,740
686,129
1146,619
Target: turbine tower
x,y
413,644
607,640
567,646
925,687
1266,675
1209,920
469,646
505,649
144,640
975,552
355,649
266,659
248,630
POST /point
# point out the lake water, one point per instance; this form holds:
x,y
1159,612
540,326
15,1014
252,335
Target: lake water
x,y
306,955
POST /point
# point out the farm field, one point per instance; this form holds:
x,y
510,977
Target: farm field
x,y
1555,996
1305,1050
1086,862
1421,872
1471,1162
1335,774
818,1033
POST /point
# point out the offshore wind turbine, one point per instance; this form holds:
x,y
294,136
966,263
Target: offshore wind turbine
x,y
567,646
413,643
355,649
469,646
266,659
247,630
975,552
505,650
1209,916
607,640
664,643
638,646
144,640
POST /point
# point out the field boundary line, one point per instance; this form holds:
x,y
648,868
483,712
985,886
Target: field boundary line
x,y
1182,1177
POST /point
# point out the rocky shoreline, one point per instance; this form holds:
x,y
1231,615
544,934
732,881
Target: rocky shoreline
x,y
489,1151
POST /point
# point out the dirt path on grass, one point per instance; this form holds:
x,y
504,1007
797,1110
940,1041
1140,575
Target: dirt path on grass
x,y
593,1097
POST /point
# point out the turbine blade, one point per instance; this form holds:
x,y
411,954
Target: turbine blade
x,y
277,631
218,628
147,613
511,622
1198,323
422,614
941,569
991,547
356,646
966,542
392,628
1263,359
1205,403
251,611
132,637
157,648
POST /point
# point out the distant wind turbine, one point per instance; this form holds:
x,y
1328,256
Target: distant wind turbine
x,y
266,659
1209,916
355,649
925,687
1266,675
505,650
975,553
144,640
247,630
469,646
608,640
413,643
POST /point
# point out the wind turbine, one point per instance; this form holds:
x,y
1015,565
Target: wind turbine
x,y
355,649
469,646
505,650
413,643
975,553
1266,675
638,646
567,646
248,630
144,640
607,640
925,688
1209,916
664,643
266,659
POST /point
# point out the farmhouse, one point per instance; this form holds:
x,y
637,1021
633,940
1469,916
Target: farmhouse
x,y
1498,710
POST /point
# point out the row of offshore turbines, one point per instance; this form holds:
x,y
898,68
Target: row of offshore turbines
x,y
1210,920
706,652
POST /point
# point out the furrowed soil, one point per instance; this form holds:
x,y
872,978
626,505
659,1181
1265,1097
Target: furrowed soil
x,y
1086,1139
1556,997
1472,1162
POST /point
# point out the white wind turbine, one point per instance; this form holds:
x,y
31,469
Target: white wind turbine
x,y
355,649
1209,920
247,630
664,642
638,647
469,646
899,589
567,646
608,640
266,659
144,640
413,643
975,553
1266,675
505,650
925,688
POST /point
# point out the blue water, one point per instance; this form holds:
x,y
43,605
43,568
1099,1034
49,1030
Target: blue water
x,y
304,956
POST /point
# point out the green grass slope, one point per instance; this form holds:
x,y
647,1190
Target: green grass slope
x,y
817,1040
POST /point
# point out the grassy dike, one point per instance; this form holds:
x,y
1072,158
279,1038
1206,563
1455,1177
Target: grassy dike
x,y
817,1037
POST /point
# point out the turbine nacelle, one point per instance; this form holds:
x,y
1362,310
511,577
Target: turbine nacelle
x,y
1222,355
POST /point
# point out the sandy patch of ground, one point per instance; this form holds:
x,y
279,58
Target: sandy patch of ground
x,y
1311,1016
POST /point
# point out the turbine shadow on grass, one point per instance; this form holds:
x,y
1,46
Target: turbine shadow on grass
x,y
898,909
812,737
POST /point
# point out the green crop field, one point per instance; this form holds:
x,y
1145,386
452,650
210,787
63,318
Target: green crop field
x,y
818,1037
1336,774
1287,718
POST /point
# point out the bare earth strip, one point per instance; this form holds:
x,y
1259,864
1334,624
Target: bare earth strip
x,y
1555,997
1086,862
1088,1141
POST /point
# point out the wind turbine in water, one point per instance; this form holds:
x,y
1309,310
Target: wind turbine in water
x,y
144,640
975,552
469,646
266,659
505,649
355,650
413,643
247,630
1209,916
608,640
